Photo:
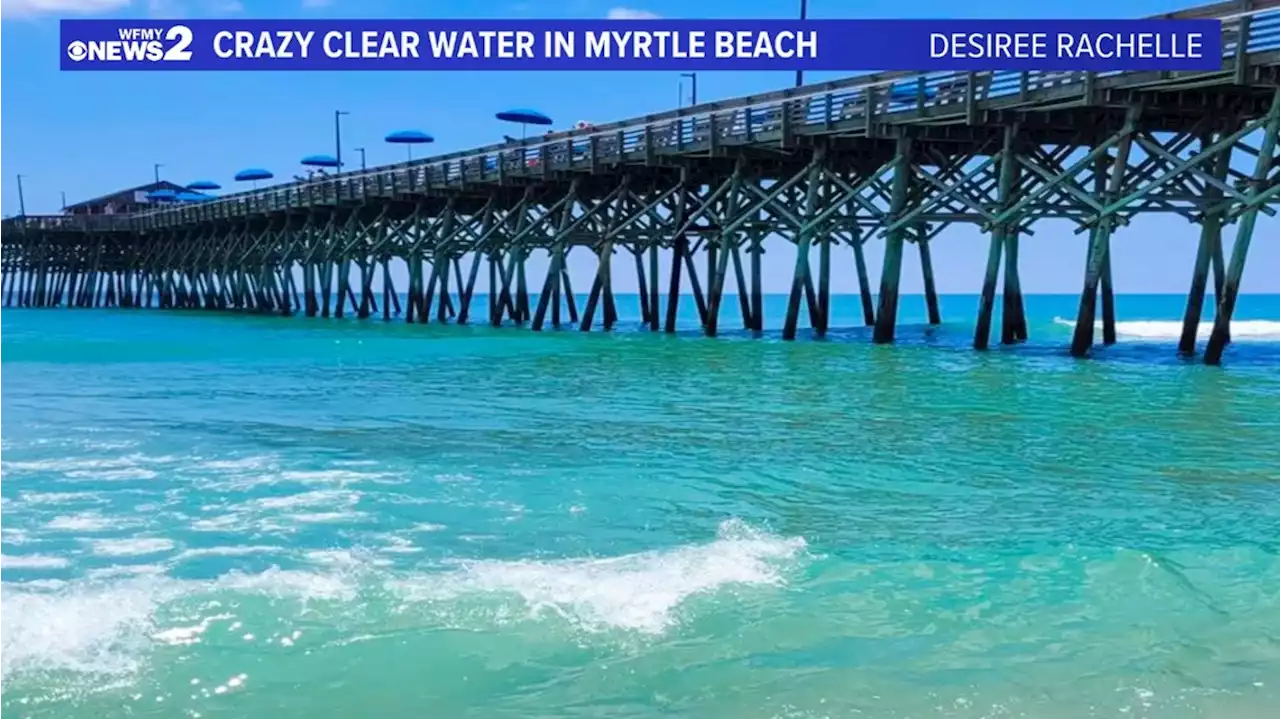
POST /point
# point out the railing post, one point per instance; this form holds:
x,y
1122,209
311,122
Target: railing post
x,y
971,98
785,123
1242,50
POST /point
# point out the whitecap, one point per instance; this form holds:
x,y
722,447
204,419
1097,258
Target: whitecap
x,y
321,517
122,467
244,463
131,546
396,544
14,535
637,592
86,522
127,570
32,561
324,497
188,634
229,551
120,474
347,560
107,624
297,584
233,521
63,464
85,627
60,497
1241,330
328,476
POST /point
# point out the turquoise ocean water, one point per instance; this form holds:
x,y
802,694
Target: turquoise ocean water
x,y
211,515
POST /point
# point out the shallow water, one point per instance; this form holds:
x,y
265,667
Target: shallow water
x,y
217,515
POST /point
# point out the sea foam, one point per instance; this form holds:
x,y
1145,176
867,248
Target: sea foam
x,y
638,592
108,625
1158,330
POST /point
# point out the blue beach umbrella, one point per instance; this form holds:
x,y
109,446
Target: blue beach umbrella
x,y
525,117
409,138
192,197
253,174
320,161
204,185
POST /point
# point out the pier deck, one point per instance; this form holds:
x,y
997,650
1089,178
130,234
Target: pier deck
x,y
898,157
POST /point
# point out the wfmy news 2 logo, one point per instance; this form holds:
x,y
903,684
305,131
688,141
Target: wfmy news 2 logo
x,y
136,44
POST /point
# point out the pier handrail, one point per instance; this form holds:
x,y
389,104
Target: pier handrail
x,y
865,98
94,223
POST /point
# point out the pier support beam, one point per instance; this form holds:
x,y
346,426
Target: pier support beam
x,y
1208,253
679,252
801,282
654,295
1013,316
550,294
999,237
926,270
887,313
864,281
1108,297
1248,214
756,250
1100,244
719,253
603,283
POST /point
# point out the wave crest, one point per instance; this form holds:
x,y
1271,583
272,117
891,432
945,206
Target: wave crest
x,y
1241,330
638,592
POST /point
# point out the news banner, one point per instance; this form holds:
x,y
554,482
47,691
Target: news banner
x,y
847,45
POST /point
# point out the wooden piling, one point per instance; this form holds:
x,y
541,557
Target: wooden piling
x,y
887,312
1100,242
1244,234
926,270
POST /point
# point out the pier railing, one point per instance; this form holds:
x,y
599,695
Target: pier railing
x,y
849,106
89,223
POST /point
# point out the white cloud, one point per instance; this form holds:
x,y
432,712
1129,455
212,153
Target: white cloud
x,y
626,13
27,8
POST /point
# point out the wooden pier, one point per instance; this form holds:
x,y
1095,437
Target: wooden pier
x,y
898,157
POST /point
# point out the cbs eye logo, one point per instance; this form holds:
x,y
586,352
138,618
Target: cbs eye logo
x,y
77,51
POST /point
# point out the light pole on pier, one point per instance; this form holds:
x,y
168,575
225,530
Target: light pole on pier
x,y
64,198
337,136
361,151
693,90
157,171
804,12
22,203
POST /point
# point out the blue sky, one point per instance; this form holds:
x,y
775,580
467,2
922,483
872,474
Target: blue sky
x,y
90,133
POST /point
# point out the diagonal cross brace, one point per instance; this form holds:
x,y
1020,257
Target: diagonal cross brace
x,y
946,192
939,180
741,218
1226,142
1131,121
850,194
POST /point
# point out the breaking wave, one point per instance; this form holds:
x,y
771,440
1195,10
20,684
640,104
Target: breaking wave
x,y
108,625
1241,330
